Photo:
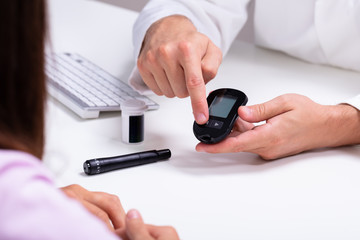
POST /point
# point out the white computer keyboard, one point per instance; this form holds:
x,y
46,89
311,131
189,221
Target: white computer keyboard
x,y
86,88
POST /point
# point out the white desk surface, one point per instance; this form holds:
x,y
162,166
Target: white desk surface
x,y
313,195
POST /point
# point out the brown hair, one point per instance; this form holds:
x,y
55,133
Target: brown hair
x,y
22,80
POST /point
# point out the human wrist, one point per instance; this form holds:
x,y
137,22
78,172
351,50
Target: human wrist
x,y
345,125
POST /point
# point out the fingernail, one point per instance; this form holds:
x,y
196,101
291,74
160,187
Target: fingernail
x,y
133,214
200,118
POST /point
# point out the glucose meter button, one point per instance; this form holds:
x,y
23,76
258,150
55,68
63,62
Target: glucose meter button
x,y
216,124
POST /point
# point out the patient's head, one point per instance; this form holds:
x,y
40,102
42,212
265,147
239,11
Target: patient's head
x,y
22,86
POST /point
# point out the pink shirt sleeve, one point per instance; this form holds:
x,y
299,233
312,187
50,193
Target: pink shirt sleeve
x,y
32,207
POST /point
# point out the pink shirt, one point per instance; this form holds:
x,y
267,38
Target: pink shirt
x,y
32,207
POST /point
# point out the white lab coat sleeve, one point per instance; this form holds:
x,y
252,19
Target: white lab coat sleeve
x,y
338,28
338,24
355,102
220,20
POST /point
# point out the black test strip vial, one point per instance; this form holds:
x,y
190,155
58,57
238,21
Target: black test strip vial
x,y
132,115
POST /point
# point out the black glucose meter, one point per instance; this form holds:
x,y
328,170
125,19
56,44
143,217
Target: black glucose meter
x,y
223,106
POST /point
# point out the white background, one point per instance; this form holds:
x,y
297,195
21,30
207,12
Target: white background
x,y
313,195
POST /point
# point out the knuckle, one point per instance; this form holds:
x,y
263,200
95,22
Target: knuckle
x,y
219,54
169,230
114,202
261,109
74,188
196,103
169,94
185,47
150,58
194,82
114,199
157,92
140,64
102,215
287,100
182,94
274,151
147,80
209,72
165,51
284,98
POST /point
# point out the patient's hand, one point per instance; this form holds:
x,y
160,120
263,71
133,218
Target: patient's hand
x,y
294,124
105,206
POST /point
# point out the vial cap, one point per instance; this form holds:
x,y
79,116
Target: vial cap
x,y
134,106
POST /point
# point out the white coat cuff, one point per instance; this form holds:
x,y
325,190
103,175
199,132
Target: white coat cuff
x,y
136,82
338,28
355,102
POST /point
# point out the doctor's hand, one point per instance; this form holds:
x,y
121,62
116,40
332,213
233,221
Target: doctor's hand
x,y
177,60
294,124
106,207
136,229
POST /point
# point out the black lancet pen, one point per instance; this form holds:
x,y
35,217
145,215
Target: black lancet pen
x,y
100,165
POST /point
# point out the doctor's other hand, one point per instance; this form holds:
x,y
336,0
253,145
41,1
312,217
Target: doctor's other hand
x,y
106,207
177,60
294,124
136,229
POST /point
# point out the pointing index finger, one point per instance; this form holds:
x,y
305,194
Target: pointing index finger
x,y
195,85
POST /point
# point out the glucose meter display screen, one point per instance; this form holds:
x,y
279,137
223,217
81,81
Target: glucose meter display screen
x,y
221,106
